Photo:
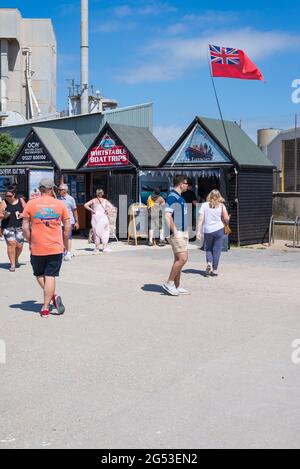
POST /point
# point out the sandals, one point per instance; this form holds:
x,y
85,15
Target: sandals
x,y
12,269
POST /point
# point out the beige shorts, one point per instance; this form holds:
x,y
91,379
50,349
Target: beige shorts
x,y
180,242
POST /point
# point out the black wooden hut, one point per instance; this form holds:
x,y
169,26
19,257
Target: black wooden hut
x,y
240,170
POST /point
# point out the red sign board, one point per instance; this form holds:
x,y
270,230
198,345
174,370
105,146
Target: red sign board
x,y
107,153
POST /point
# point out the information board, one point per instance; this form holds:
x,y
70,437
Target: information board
x,y
138,223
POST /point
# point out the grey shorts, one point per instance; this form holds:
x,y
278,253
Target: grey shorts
x,y
13,235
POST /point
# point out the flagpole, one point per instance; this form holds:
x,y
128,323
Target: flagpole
x,y
229,147
219,106
296,156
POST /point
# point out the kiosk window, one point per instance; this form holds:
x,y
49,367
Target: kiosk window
x,y
148,184
76,185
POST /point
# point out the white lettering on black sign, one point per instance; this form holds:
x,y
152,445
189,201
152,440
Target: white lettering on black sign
x,y
33,152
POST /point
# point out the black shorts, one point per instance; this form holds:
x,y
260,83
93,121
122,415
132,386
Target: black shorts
x,y
46,266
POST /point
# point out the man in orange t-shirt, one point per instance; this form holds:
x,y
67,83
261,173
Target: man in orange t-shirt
x,y
42,221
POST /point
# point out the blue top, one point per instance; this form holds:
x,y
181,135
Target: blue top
x,y
176,205
69,201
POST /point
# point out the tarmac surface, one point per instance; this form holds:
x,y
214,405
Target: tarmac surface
x,y
130,367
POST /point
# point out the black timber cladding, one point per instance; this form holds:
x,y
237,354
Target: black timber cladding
x,y
289,165
255,190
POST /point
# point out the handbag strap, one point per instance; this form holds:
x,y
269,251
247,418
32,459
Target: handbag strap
x,y
222,216
101,204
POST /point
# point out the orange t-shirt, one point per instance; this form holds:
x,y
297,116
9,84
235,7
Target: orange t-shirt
x,y
46,216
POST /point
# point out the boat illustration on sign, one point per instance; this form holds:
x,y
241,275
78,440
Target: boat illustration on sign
x,y
107,142
201,152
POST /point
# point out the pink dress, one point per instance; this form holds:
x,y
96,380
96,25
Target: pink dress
x,y
100,221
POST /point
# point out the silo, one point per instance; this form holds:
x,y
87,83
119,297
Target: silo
x,y
265,137
27,67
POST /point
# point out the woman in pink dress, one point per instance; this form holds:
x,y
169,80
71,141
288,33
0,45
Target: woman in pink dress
x,y
100,207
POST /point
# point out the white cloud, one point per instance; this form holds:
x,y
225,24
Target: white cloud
x,y
123,10
67,9
113,26
190,22
168,135
169,59
152,8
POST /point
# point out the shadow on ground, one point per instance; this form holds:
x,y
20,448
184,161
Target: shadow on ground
x,y
153,289
30,306
7,266
195,272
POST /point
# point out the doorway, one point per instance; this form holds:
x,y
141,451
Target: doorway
x,y
99,181
206,185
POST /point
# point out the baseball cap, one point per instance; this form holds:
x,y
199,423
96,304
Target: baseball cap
x,y
47,183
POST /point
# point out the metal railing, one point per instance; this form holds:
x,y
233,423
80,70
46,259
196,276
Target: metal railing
x,y
295,223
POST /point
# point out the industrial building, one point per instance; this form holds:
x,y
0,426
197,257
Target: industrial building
x,y
27,68
282,147
88,126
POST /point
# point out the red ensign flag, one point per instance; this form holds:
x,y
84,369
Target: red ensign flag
x,y
233,63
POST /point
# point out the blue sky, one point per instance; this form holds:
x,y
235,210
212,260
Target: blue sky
x,y
143,51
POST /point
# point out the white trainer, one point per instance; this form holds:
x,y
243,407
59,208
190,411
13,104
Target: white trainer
x,y
107,250
170,289
183,291
68,256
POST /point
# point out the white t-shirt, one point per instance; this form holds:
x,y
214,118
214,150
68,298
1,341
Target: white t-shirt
x,y
212,218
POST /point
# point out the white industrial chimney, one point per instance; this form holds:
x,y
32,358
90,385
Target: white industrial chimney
x,y
84,46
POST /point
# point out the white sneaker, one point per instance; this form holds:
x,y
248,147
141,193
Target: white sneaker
x,y
170,289
107,250
183,291
68,257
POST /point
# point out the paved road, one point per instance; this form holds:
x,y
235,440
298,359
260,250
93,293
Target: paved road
x,y
128,367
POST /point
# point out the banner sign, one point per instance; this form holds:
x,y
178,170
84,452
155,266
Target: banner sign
x,y
107,153
34,153
34,180
12,171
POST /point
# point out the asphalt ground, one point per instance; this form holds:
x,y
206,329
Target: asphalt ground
x,y
130,367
